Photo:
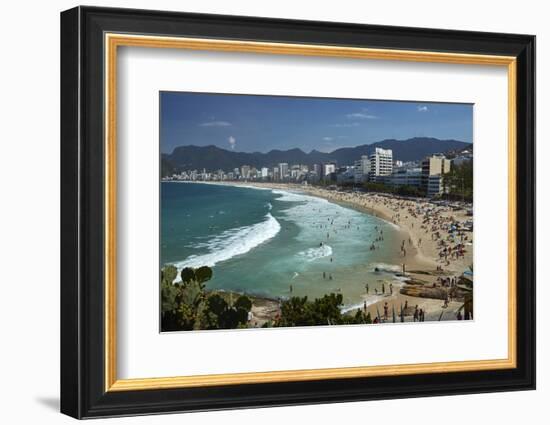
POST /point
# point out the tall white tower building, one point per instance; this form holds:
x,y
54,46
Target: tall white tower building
x,y
381,162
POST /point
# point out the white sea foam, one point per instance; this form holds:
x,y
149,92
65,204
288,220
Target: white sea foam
x,y
233,242
391,223
372,299
313,254
297,197
388,268
249,186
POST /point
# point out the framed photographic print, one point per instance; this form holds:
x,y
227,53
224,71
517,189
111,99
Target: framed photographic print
x,y
261,212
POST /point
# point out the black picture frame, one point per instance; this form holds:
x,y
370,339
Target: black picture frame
x,y
83,392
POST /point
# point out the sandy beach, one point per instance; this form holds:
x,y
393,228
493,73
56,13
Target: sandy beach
x,y
433,259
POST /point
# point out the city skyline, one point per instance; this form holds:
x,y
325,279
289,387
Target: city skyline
x,y
251,123
424,178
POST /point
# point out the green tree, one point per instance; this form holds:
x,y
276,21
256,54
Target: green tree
x,y
169,298
243,303
187,274
225,316
183,303
406,190
203,274
378,187
298,311
459,182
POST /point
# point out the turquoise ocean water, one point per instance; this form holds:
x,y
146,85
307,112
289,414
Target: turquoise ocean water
x,y
263,241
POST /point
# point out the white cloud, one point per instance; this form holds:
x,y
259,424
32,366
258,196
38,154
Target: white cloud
x,y
422,108
215,124
232,142
331,138
361,116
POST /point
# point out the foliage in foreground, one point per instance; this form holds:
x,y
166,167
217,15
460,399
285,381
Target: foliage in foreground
x,y
186,305
299,311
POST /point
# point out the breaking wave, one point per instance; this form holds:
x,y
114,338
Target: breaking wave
x,y
233,242
313,254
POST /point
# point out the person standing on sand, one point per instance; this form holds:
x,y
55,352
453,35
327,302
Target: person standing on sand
x,y
385,311
415,315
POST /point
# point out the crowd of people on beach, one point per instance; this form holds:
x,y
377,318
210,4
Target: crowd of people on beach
x,y
448,233
439,222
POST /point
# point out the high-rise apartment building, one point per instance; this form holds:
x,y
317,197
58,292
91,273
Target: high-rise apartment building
x,y
283,170
381,163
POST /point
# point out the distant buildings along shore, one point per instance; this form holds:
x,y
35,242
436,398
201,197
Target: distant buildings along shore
x,y
378,167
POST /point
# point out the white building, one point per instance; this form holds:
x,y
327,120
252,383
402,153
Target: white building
x,y
276,174
381,163
362,169
245,171
317,169
264,172
329,168
283,170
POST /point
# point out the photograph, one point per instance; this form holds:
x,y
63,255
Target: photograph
x,y
285,211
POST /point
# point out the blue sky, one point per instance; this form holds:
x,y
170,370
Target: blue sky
x,y
248,123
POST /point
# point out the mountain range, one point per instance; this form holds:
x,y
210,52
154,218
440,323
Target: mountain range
x,y
213,158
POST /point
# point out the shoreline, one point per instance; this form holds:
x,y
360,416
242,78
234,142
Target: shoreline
x,y
422,225
375,204
423,257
